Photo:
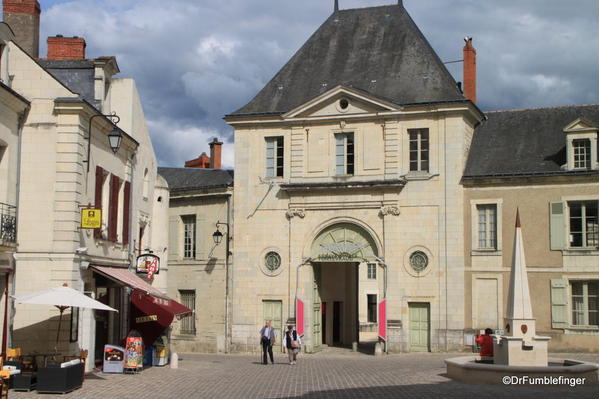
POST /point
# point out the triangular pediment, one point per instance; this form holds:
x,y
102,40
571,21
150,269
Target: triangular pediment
x,y
581,125
341,101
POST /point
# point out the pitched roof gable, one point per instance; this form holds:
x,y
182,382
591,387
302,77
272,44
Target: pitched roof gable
x,y
378,49
182,179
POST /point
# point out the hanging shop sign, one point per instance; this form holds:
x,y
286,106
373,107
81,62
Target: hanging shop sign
x,y
91,218
148,264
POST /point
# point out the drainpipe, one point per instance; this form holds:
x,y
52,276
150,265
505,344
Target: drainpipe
x,y
6,339
227,276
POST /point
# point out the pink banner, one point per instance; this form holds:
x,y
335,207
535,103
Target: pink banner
x,y
299,317
383,320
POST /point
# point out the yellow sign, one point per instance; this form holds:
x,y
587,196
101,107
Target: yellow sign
x,y
91,218
146,319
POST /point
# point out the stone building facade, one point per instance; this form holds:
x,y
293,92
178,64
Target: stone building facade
x,y
200,204
353,155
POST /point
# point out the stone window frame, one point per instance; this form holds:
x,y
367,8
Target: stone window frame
x,y
347,171
474,294
278,168
474,204
371,270
419,151
191,319
592,137
568,249
189,220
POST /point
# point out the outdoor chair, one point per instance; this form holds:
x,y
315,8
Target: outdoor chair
x,y
60,378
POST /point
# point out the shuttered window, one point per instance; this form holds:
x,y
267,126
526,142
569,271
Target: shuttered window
x,y
188,299
98,196
113,208
559,303
583,224
127,213
275,161
344,154
419,150
585,307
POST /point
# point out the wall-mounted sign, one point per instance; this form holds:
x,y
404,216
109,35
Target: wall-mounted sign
x,y
146,319
91,218
148,264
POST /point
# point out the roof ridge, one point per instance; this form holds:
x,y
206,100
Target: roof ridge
x,y
370,7
540,108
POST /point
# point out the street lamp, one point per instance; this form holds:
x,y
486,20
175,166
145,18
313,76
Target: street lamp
x,y
217,236
114,137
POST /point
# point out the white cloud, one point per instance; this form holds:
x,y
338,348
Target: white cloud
x,y
195,61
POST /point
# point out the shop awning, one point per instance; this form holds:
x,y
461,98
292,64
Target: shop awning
x,y
151,315
124,276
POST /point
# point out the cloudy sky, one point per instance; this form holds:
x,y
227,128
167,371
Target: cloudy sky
x,y
197,60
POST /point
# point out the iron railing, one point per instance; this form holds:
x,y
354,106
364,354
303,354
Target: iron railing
x,y
8,223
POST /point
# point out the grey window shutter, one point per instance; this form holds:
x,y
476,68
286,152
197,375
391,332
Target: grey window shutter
x,y
558,225
173,238
559,303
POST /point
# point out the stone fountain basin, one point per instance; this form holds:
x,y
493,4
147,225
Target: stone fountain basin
x,y
465,369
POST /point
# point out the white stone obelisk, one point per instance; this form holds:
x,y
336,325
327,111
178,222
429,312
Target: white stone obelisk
x,y
520,346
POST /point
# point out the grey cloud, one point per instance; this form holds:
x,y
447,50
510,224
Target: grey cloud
x,y
195,61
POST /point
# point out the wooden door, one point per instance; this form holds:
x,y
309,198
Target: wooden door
x,y
272,310
419,327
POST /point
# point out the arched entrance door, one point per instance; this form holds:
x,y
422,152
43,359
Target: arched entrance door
x,y
340,256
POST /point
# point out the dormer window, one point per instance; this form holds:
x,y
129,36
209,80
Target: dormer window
x,y
582,153
581,138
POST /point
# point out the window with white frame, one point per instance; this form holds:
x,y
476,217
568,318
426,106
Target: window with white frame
x,y
371,271
275,160
487,226
583,226
344,154
585,308
189,236
188,299
582,153
419,150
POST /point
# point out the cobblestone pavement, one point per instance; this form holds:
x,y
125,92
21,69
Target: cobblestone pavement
x,y
333,375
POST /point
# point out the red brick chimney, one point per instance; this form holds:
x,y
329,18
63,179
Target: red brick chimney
x,y
66,48
216,148
23,16
201,162
469,70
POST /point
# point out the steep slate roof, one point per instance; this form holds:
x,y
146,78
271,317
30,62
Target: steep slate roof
x,y
77,75
379,50
524,142
182,179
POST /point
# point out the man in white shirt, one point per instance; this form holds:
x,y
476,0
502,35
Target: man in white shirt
x,y
267,340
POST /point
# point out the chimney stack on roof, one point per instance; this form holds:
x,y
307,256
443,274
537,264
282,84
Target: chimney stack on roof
x,y
469,70
66,48
215,153
23,17
336,6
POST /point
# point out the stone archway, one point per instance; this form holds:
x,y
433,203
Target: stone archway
x,y
337,254
344,242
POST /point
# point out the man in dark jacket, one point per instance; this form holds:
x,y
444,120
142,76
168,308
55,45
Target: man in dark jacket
x,y
268,338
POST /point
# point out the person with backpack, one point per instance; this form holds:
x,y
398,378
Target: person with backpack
x,y
292,341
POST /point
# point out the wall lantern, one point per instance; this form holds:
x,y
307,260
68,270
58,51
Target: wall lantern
x,y
114,137
217,236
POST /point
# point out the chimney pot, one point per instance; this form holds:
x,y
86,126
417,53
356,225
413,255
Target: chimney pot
x,y
66,48
23,16
215,153
469,70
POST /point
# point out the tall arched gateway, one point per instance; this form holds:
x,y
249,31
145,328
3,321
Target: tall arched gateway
x,y
339,255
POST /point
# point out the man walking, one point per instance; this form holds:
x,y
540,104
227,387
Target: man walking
x,y
267,339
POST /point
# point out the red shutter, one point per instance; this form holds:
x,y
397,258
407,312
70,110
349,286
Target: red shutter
x,y
98,199
113,208
126,211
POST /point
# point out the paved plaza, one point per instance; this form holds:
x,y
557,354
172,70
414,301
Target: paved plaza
x,y
324,375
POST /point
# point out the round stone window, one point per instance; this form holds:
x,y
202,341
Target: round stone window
x,y
418,261
343,103
272,261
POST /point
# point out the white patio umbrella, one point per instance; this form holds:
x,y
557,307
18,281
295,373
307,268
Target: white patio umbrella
x,y
63,298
